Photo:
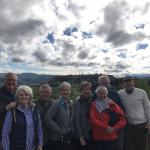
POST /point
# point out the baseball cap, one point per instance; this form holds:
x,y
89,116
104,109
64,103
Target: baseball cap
x,y
126,78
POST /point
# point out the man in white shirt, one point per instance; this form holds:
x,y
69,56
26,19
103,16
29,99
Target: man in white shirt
x,y
137,110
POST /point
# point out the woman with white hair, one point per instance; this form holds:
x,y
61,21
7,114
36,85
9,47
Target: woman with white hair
x,y
59,119
106,118
22,126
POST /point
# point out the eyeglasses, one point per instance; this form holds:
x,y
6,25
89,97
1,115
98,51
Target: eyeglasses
x,y
13,80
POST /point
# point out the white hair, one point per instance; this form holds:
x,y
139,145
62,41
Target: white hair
x,y
26,89
64,84
101,88
105,77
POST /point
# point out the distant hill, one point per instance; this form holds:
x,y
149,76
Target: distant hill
x,y
141,75
29,78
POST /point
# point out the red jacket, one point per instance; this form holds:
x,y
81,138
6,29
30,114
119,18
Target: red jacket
x,y
100,120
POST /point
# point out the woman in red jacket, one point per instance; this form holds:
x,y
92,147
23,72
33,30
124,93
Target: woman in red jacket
x,y
106,118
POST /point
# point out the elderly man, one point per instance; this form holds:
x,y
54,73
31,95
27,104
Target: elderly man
x,y
137,110
105,81
43,104
7,97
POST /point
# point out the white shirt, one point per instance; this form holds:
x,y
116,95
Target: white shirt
x,y
137,106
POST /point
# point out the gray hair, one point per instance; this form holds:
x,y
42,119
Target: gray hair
x,y
103,77
7,75
101,88
64,84
45,86
26,89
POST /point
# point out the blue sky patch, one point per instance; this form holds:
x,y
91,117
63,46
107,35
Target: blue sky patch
x,y
70,30
140,26
141,46
122,55
86,35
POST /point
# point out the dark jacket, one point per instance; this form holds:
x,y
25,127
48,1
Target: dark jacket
x,y
43,108
19,129
81,118
5,99
59,119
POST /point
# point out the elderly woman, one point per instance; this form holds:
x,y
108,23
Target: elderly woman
x,y
106,119
22,125
59,120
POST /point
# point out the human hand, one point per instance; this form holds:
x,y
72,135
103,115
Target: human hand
x,y
10,105
39,147
82,141
110,130
148,128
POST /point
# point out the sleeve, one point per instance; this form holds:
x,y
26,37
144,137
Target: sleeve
x,y
6,131
146,105
2,108
94,120
77,119
49,118
119,101
40,132
121,116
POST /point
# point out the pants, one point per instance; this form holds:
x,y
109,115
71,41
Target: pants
x,y
78,146
0,145
135,137
47,146
106,145
120,140
57,145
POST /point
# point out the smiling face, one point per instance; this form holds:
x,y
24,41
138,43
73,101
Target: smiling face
x,y
129,84
23,98
101,94
10,82
45,93
86,91
65,92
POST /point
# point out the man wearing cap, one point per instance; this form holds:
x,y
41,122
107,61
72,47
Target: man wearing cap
x,y
137,110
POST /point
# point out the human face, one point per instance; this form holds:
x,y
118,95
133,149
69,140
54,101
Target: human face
x,y
45,93
101,94
65,92
10,83
86,91
23,98
128,84
104,82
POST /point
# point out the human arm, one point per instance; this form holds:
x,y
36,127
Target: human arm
x,y
95,118
40,134
6,131
50,119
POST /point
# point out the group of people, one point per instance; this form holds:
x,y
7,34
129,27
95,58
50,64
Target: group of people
x,y
104,120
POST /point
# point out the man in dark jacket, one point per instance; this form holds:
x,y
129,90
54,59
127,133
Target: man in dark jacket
x,y
7,98
43,104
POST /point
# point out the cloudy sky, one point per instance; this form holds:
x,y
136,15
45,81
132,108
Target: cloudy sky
x,y
75,36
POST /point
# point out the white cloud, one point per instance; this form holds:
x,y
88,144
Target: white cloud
x,y
110,49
